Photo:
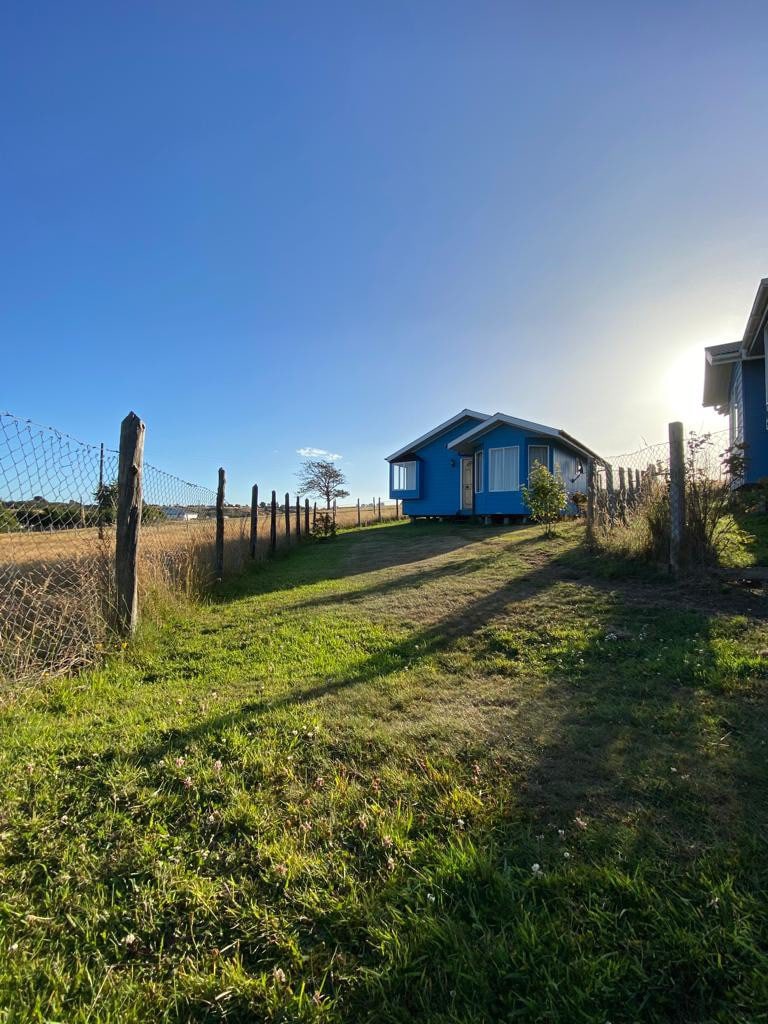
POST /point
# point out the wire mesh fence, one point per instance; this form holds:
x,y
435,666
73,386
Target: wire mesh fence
x,y
58,518
632,491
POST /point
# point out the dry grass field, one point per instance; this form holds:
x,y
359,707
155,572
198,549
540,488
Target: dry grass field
x,y
57,588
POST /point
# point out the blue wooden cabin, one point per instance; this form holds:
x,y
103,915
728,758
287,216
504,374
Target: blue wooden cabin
x,y
735,385
474,464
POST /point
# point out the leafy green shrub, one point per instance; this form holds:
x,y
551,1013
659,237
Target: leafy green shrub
x,y
9,522
324,526
545,497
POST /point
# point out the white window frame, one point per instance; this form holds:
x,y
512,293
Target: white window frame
x,y
479,473
407,467
515,483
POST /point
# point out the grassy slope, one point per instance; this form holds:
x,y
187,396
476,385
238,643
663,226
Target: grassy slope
x,y
321,797
750,544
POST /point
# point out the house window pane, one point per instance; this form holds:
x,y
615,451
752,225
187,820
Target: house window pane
x,y
503,469
404,476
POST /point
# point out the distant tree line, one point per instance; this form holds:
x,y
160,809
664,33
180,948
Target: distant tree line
x,y
39,514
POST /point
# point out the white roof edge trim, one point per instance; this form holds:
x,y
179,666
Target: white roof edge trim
x,y
513,421
435,431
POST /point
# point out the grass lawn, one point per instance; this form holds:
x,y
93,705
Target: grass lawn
x,y
422,773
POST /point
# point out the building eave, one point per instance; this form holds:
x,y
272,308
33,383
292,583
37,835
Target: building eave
x,y
500,418
752,342
431,434
718,364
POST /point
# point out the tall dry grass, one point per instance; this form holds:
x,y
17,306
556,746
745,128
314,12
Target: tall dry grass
x,y
57,590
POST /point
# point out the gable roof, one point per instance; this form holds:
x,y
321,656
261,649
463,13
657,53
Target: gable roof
x,y
500,418
718,362
464,414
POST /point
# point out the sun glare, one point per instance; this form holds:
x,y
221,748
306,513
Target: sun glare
x,y
682,387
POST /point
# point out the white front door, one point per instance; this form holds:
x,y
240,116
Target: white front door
x,y
467,482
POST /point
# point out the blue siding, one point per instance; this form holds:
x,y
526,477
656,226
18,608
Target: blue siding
x,y
753,418
439,477
506,503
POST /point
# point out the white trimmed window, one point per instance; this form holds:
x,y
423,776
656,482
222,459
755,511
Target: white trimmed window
x,y
478,472
504,469
403,476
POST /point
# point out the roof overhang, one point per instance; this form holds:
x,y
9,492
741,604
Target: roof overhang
x,y
753,340
718,364
440,429
465,442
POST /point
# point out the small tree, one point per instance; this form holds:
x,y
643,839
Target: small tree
x,y
9,522
322,479
545,497
105,497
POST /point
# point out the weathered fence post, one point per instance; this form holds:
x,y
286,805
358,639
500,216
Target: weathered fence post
x,y
610,498
314,516
287,516
397,508
622,495
298,518
100,502
334,512
306,517
273,524
630,488
129,499
379,509
359,523
590,503
254,519
220,524
676,494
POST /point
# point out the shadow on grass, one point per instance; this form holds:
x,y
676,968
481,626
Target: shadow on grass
x,y
347,555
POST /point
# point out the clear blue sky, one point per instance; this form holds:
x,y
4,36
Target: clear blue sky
x,y
271,226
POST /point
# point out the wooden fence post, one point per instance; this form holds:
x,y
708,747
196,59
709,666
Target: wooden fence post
x,y
610,498
590,503
630,488
622,502
298,518
334,511
254,519
273,524
676,494
358,513
287,516
100,502
397,508
220,524
129,505
379,509
314,516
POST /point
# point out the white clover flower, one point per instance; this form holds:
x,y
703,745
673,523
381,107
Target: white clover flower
x,y
536,870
